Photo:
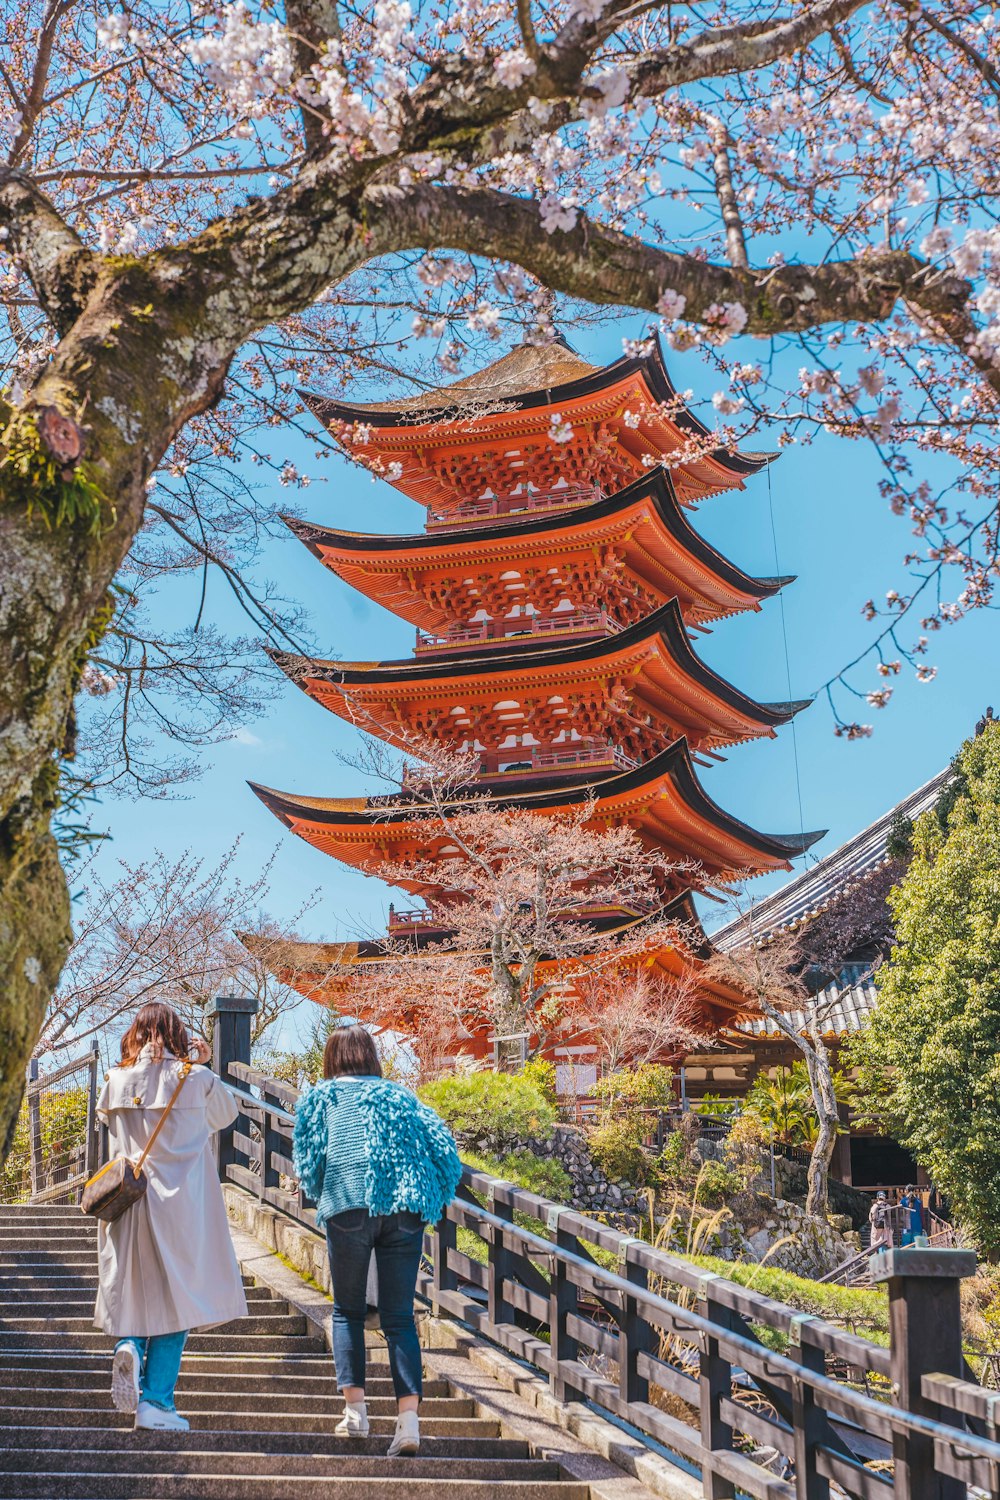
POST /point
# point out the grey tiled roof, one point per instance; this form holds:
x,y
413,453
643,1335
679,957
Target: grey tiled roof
x,y
812,891
841,1010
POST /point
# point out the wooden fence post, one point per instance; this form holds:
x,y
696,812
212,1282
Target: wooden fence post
x,y
563,1303
925,1333
500,1263
444,1237
808,1419
35,1129
231,1015
270,1142
635,1336
716,1383
92,1154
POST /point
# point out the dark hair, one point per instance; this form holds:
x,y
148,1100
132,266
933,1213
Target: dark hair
x,y
350,1050
155,1023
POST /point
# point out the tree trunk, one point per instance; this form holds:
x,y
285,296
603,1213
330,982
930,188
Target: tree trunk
x,y
825,1103
35,936
51,610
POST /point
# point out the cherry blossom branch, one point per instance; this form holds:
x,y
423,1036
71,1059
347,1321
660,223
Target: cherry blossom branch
x,y
61,269
982,64
736,245
736,49
610,268
311,23
35,98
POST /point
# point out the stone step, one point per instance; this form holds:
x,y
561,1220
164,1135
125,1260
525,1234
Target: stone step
x,y
252,1421
263,1364
55,1278
318,1385
264,1324
235,1399
198,1343
28,1219
80,1303
234,1487
69,1239
41,1258
131,1486
294,1465
117,1440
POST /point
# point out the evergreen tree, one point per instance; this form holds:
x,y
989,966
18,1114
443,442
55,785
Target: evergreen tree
x,y
930,1055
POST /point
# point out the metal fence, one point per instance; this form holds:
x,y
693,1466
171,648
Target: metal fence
x,y
56,1143
646,1336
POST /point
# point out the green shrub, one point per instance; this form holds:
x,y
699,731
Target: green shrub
x,y
536,1174
674,1165
478,1104
63,1117
715,1107
542,1073
717,1181
862,1310
650,1086
616,1148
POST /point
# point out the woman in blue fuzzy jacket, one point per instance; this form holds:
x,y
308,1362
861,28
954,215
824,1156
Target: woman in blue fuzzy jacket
x,y
379,1166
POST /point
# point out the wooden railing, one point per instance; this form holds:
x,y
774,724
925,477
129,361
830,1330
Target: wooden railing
x,y
632,1330
493,632
59,1168
497,506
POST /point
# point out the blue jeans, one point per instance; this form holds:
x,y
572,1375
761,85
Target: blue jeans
x,y
397,1240
159,1366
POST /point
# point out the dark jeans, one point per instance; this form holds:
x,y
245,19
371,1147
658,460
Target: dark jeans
x,y
397,1240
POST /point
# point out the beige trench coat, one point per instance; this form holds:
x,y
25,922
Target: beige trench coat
x,y
168,1263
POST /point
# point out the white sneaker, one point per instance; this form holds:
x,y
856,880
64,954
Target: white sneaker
x,y
406,1441
158,1420
354,1422
125,1378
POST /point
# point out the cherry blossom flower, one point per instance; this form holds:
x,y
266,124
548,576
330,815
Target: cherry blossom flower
x,y
513,67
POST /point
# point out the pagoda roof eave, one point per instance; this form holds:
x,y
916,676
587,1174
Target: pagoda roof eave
x,y
656,486
674,764
421,410
310,967
666,623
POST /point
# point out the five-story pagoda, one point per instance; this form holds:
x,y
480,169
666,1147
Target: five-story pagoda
x,y
555,590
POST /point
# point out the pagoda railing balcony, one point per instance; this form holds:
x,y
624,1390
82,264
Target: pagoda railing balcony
x,y
495,506
415,916
527,762
574,757
498,632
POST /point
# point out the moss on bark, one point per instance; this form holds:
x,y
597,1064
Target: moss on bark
x,y
35,936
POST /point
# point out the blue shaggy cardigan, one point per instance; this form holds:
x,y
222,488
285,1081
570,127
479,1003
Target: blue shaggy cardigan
x,y
370,1139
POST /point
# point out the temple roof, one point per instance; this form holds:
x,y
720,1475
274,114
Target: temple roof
x,y
524,372
659,546
663,799
649,667
621,417
819,886
318,970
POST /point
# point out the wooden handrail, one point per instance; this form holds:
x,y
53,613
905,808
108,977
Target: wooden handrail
x,y
699,1342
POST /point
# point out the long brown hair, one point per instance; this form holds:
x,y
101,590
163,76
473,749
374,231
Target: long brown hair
x,y
350,1050
158,1024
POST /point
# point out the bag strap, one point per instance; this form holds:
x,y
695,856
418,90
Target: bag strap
x,y
185,1070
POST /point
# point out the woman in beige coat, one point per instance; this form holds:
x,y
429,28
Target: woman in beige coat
x,y
167,1265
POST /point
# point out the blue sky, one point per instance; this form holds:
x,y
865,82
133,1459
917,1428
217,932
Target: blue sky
x,y
832,530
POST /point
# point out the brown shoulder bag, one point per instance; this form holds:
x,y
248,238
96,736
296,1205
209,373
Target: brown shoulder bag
x,y
120,1183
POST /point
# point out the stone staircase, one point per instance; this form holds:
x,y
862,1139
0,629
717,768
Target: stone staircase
x,y
260,1395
